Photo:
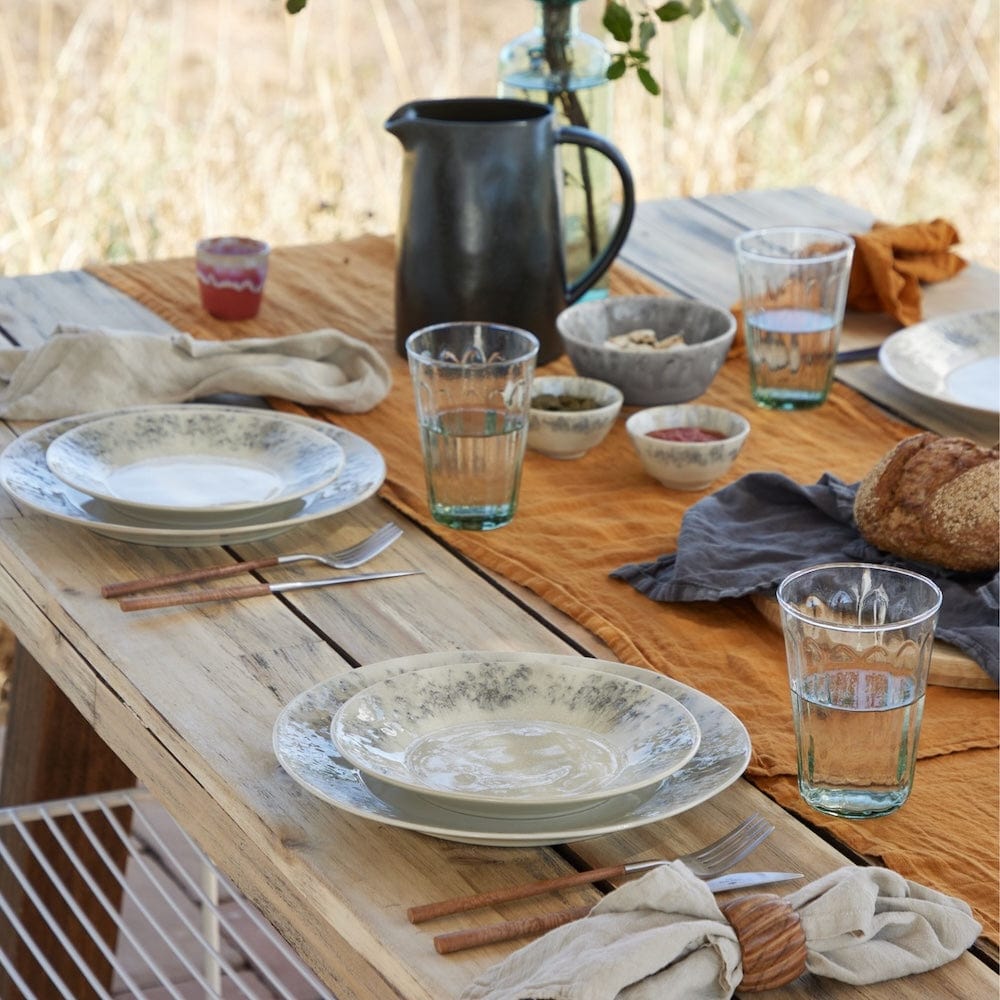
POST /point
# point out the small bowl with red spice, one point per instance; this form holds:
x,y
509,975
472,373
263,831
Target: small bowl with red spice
x,y
687,447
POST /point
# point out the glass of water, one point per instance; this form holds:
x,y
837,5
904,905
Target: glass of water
x,y
793,282
472,383
858,638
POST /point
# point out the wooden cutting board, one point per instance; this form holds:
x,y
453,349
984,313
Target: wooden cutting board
x,y
950,667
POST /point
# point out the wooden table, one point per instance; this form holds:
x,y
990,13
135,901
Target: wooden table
x,y
186,699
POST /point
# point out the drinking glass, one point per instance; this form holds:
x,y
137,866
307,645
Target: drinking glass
x,y
231,271
793,281
858,639
472,383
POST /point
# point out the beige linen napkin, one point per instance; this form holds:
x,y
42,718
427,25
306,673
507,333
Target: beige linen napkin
x,y
79,370
664,936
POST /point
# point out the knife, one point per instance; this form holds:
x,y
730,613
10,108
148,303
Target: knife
x,y
251,590
507,930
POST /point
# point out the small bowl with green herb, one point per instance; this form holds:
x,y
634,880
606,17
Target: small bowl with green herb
x,y
570,415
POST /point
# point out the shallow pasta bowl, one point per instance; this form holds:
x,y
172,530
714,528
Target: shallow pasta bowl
x,y
515,739
194,462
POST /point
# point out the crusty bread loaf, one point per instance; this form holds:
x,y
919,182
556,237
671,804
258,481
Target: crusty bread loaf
x,y
934,500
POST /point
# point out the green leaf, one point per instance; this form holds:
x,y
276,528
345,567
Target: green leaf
x,y
697,8
617,68
733,19
618,21
294,6
646,78
638,56
672,11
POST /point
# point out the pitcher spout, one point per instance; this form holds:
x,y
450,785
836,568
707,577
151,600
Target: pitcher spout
x,y
403,123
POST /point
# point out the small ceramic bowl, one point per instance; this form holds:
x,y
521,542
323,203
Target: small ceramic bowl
x,y
648,377
566,433
687,465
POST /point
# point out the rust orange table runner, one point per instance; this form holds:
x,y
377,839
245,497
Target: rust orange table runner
x,y
579,520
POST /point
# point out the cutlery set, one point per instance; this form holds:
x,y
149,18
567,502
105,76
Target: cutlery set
x,y
709,863
347,558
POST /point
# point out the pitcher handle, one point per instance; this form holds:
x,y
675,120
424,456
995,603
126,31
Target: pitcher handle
x,y
574,135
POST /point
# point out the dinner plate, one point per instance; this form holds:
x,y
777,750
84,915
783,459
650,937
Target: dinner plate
x,y
187,463
25,475
302,744
951,359
515,738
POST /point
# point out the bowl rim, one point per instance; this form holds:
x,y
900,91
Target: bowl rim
x,y
647,411
616,403
599,305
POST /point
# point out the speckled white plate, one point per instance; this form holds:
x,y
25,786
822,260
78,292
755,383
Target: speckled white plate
x,y
951,359
496,738
302,744
185,463
25,475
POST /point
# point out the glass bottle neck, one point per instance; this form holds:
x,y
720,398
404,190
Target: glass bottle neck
x,y
558,21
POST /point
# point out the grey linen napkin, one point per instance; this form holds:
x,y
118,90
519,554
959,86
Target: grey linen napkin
x,y
751,534
80,370
664,936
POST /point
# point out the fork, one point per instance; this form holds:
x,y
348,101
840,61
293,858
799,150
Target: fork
x,y
707,862
353,555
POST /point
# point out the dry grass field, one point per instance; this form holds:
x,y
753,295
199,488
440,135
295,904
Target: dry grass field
x,y
130,127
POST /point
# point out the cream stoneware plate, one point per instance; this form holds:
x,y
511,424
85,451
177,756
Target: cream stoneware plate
x,y
179,462
951,359
302,744
25,475
495,738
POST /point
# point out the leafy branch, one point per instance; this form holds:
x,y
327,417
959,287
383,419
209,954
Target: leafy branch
x,y
637,31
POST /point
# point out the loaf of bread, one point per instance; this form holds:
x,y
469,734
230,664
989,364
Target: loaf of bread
x,y
934,500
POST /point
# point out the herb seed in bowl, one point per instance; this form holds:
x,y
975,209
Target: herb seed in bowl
x,y
563,402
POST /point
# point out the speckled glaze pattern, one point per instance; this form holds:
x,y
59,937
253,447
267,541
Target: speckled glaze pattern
x,y
950,359
649,378
493,733
687,465
302,744
25,475
569,435
195,460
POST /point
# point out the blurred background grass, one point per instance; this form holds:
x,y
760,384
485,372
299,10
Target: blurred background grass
x,y
128,128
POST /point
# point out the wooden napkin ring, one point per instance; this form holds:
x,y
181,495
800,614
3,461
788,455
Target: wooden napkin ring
x,y
771,938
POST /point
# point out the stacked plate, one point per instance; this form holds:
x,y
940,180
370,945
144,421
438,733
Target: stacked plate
x,y
190,474
509,748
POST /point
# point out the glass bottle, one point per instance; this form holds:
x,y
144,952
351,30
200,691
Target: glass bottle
x,y
556,63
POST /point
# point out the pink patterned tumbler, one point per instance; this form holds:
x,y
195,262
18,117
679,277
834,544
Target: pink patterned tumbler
x,y
231,272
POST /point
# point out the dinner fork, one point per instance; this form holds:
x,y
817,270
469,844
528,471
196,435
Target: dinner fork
x,y
353,555
706,862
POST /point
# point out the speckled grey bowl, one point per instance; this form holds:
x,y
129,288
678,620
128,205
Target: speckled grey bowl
x,y
687,465
653,377
570,434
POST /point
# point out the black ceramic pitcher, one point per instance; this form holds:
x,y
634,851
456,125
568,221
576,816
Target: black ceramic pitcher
x,y
480,230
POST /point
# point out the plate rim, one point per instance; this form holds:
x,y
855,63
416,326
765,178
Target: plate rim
x,y
522,805
237,507
892,342
313,506
544,834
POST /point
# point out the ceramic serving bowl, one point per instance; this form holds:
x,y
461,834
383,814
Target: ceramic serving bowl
x,y
525,738
178,462
560,431
687,465
648,377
